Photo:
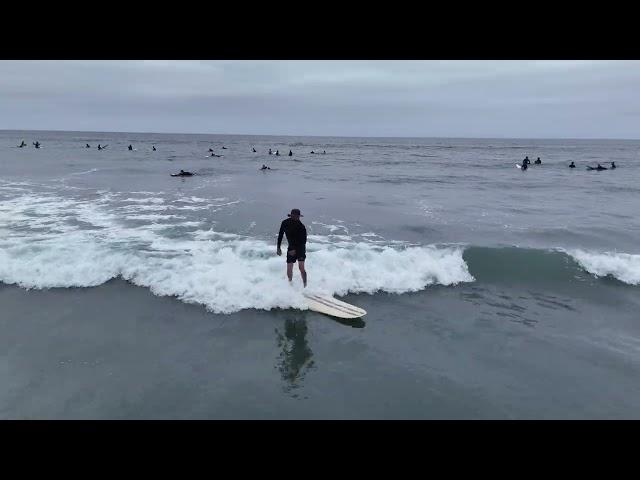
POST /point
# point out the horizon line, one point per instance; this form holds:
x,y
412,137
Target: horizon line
x,y
319,136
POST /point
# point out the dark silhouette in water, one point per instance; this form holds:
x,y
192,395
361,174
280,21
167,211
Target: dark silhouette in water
x,y
87,146
526,161
224,148
22,144
290,153
538,161
182,174
154,148
36,144
264,167
277,153
613,165
598,168
573,165
270,152
524,166
254,150
130,147
296,357
324,152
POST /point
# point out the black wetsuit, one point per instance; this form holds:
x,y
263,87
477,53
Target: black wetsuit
x,y
296,238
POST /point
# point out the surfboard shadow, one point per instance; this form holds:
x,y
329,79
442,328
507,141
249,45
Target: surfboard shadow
x,y
348,322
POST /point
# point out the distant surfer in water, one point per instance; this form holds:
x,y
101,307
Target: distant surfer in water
x,y
130,147
324,152
277,153
254,150
264,167
526,161
312,151
224,148
182,174
36,144
613,165
270,152
154,148
573,165
87,146
290,153
22,144
538,161
599,168
296,234
99,147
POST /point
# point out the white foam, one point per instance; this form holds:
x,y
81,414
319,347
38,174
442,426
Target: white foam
x,y
145,200
152,217
623,266
225,272
331,228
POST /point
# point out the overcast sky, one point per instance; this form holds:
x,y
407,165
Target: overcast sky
x,y
524,99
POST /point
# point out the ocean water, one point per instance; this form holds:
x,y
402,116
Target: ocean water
x,y
491,292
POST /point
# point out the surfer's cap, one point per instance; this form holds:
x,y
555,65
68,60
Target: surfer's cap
x,y
295,211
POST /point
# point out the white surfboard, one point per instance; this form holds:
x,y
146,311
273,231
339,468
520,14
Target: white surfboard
x,y
518,165
330,306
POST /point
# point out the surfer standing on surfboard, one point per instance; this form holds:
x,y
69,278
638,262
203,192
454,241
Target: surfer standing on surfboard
x,y
296,234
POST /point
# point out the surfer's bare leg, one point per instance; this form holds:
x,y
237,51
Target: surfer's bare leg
x,y
290,271
303,272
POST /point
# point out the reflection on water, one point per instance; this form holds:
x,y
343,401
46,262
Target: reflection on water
x,y
296,357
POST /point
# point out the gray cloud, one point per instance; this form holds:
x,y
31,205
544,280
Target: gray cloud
x,y
578,99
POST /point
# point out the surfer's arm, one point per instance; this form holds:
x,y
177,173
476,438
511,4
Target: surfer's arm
x,y
304,235
280,234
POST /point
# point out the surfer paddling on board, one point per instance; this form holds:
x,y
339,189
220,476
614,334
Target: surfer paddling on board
x,y
296,234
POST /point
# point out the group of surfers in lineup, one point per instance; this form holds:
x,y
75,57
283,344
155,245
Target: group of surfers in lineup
x,y
35,144
526,162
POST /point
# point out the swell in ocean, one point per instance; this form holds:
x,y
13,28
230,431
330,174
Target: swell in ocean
x,y
52,241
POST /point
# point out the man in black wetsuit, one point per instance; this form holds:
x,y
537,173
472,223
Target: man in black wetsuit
x,y
296,234
573,165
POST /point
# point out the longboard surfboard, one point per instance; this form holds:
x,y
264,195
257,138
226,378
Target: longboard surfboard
x,y
330,306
